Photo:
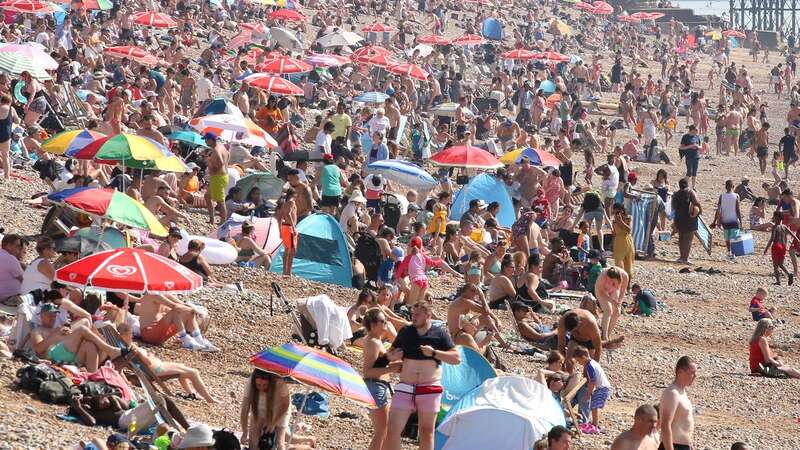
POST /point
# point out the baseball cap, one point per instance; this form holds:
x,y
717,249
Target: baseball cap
x,y
594,254
49,308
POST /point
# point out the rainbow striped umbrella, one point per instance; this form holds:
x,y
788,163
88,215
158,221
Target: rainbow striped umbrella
x,y
315,368
112,205
121,147
70,141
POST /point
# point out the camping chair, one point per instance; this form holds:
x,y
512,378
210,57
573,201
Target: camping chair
x,y
166,410
303,321
536,347
567,398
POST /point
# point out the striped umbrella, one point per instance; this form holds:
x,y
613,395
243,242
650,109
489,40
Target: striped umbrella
x,y
27,6
70,141
369,51
377,60
154,19
275,85
15,63
521,54
314,368
469,39
326,60
110,204
284,64
434,39
121,147
290,15
33,53
379,27
409,70
131,52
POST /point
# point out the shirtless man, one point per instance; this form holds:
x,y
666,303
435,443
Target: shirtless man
x,y
471,300
286,215
303,195
640,436
530,325
151,183
581,75
393,114
115,111
761,146
422,348
677,414
793,118
161,318
529,178
610,291
74,343
166,213
579,327
241,99
733,129
217,168
148,131
507,131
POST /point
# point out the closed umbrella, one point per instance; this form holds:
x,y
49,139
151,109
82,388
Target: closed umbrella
x,y
130,270
404,173
314,368
466,156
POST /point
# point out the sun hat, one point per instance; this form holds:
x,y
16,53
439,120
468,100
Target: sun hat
x,y
357,197
197,436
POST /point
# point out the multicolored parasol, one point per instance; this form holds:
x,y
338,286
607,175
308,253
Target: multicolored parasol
x,y
70,141
315,368
121,147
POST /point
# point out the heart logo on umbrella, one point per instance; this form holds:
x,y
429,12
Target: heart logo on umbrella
x,y
169,284
121,271
72,276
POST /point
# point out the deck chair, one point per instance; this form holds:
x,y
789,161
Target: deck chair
x,y
567,398
305,329
538,348
166,410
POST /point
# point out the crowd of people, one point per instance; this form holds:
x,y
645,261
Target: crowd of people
x,y
119,73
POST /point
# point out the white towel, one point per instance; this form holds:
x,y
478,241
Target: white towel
x,y
333,327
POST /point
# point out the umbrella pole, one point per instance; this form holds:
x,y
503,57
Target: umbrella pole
x,y
100,238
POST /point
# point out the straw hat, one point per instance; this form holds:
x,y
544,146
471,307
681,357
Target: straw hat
x,y
358,197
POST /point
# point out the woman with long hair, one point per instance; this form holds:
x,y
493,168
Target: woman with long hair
x,y
763,361
265,410
624,251
376,368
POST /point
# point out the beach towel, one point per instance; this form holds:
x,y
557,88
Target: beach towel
x,y
703,234
644,215
333,327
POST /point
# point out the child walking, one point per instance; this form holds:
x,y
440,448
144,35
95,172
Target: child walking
x,y
598,389
778,243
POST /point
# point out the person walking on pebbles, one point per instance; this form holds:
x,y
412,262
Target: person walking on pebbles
x,y
677,415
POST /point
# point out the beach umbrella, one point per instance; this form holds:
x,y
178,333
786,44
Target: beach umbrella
x,y
218,105
15,63
371,97
228,122
121,147
270,185
547,86
601,8
33,53
92,5
240,40
629,19
235,129
273,84
109,204
326,60
266,231
27,6
583,6
289,15
133,53
70,141
314,368
642,15
422,50
339,39
734,33
404,173
286,38
433,39
170,163
379,27
130,270
466,156
469,39
384,61
520,54
154,19
409,70
551,56
369,52
284,65
536,157
258,27
90,240
187,137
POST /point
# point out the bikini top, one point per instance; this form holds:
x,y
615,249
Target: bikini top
x,y
380,362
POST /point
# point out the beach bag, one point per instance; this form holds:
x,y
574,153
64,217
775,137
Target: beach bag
x,y
316,404
55,391
31,377
99,389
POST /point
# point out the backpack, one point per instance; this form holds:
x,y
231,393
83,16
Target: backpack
x,y
369,253
99,389
50,384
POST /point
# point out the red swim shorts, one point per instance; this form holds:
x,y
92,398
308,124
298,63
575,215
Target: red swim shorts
x,y
778,252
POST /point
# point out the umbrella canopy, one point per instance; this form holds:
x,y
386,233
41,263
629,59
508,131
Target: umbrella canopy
x,y
339,39
92,5
27,6
520,54
642,15
154,19
734,33
326,60
601,8
284,65
370,51
133,53
218,105
32,52
121,147
130,270
266,230
110,204
70,141
269,185
466,156
371,97
551,56
15,63
536,157
228,122
379,27
377,60
273,84
187,137
629,19
547,86
434,39
169,163
469,39
286,38
290,15
258,27
403,172
409,70
90,240
315,368
234,129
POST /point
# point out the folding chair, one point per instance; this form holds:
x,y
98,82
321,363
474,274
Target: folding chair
x,y
302,325
567,400
538,348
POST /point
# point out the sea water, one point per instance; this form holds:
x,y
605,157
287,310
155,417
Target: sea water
x,y
706,7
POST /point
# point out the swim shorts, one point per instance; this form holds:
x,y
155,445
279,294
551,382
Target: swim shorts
x,y
599,397
778,252
732,132
289,236
158,332
59,353
417,397
216,187
761,152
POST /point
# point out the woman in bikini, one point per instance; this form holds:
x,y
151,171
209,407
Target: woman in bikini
x,y
9,116
376,368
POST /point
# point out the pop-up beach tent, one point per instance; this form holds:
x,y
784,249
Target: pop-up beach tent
x,y
492,29
489,189
322,253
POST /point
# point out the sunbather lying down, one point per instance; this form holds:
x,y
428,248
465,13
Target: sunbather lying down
x,y
188,377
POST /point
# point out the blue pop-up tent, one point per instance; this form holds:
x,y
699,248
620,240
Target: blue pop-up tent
x,y
492,29
459,379
322,253
489,189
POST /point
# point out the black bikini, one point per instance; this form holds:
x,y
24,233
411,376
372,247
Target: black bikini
x,y
5,127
